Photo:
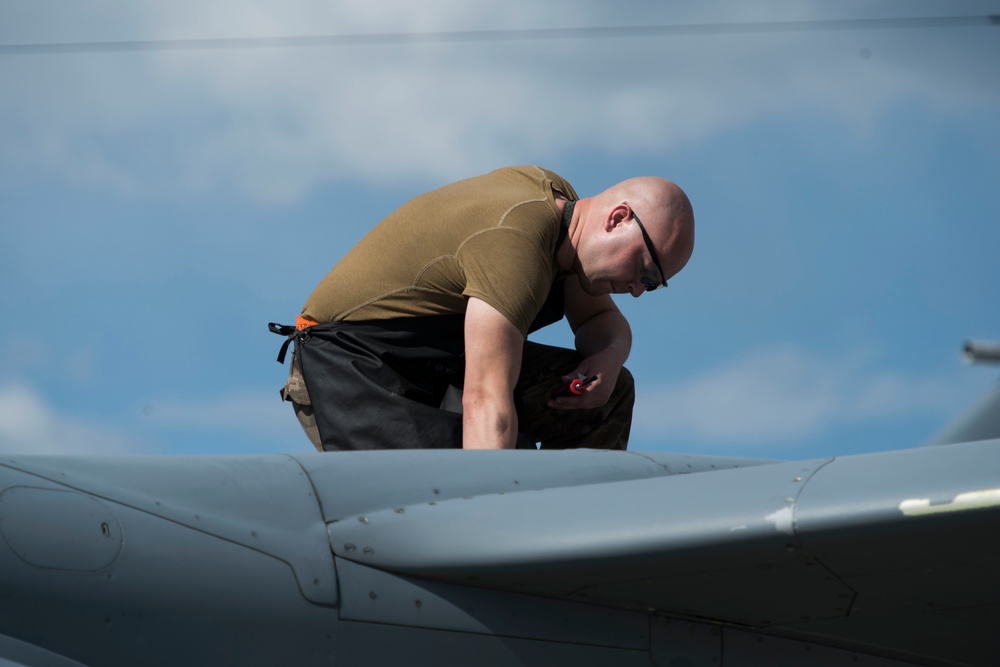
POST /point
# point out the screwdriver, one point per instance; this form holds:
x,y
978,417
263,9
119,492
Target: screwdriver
x,y
574,387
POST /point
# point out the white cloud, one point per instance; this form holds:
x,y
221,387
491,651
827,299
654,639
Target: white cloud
x,y
785,393
28,425
273,123
252,413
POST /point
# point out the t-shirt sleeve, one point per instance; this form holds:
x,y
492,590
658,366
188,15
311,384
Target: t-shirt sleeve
x,y
508,270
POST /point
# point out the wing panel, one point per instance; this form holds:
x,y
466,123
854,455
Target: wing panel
x,y
904,510
174,596
16,653
927,582
265,503
374,596
749,649
656,543
368,644
350,483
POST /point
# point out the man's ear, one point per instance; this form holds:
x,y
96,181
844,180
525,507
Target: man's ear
x,y
619,214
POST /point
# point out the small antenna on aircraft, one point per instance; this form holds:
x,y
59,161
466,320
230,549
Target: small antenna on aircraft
x,y
980,350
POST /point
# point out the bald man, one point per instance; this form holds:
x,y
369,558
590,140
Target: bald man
x,y
417,337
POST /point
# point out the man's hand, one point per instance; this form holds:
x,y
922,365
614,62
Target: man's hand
x,y
596,393
493,348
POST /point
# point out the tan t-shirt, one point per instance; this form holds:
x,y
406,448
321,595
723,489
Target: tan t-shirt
x,y
491,237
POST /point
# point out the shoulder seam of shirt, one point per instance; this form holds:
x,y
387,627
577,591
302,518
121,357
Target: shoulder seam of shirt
x,y
428,265
503,217
468,238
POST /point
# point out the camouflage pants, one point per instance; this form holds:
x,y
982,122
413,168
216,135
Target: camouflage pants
x,y
295,392
425,411
606,427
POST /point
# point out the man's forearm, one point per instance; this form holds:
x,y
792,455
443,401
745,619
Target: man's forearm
x,y
493,349
607,334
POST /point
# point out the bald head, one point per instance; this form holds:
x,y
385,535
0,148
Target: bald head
x,y
665,212
630,238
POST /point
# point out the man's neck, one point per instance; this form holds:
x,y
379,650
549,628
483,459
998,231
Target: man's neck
x,y
566,257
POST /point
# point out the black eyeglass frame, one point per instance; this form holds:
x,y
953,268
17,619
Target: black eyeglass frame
x,y
646,282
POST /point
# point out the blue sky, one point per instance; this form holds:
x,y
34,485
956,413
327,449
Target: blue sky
x,y
158,208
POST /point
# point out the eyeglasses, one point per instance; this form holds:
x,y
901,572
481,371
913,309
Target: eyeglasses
x,y
650,285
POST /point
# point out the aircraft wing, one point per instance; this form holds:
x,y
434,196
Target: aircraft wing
x,y
895,553
501,558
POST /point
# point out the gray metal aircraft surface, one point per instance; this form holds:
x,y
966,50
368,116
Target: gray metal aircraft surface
x,y
504,558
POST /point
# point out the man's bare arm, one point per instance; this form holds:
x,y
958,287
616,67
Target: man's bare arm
x,y
493,348
603,337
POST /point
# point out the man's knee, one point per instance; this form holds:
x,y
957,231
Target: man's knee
x,y
625,387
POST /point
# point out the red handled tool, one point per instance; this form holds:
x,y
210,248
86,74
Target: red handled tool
x,y
575,387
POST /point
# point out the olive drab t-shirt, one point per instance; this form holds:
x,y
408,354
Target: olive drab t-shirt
x,y
492,237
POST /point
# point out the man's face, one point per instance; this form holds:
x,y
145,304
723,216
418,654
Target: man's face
x,y
618,261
